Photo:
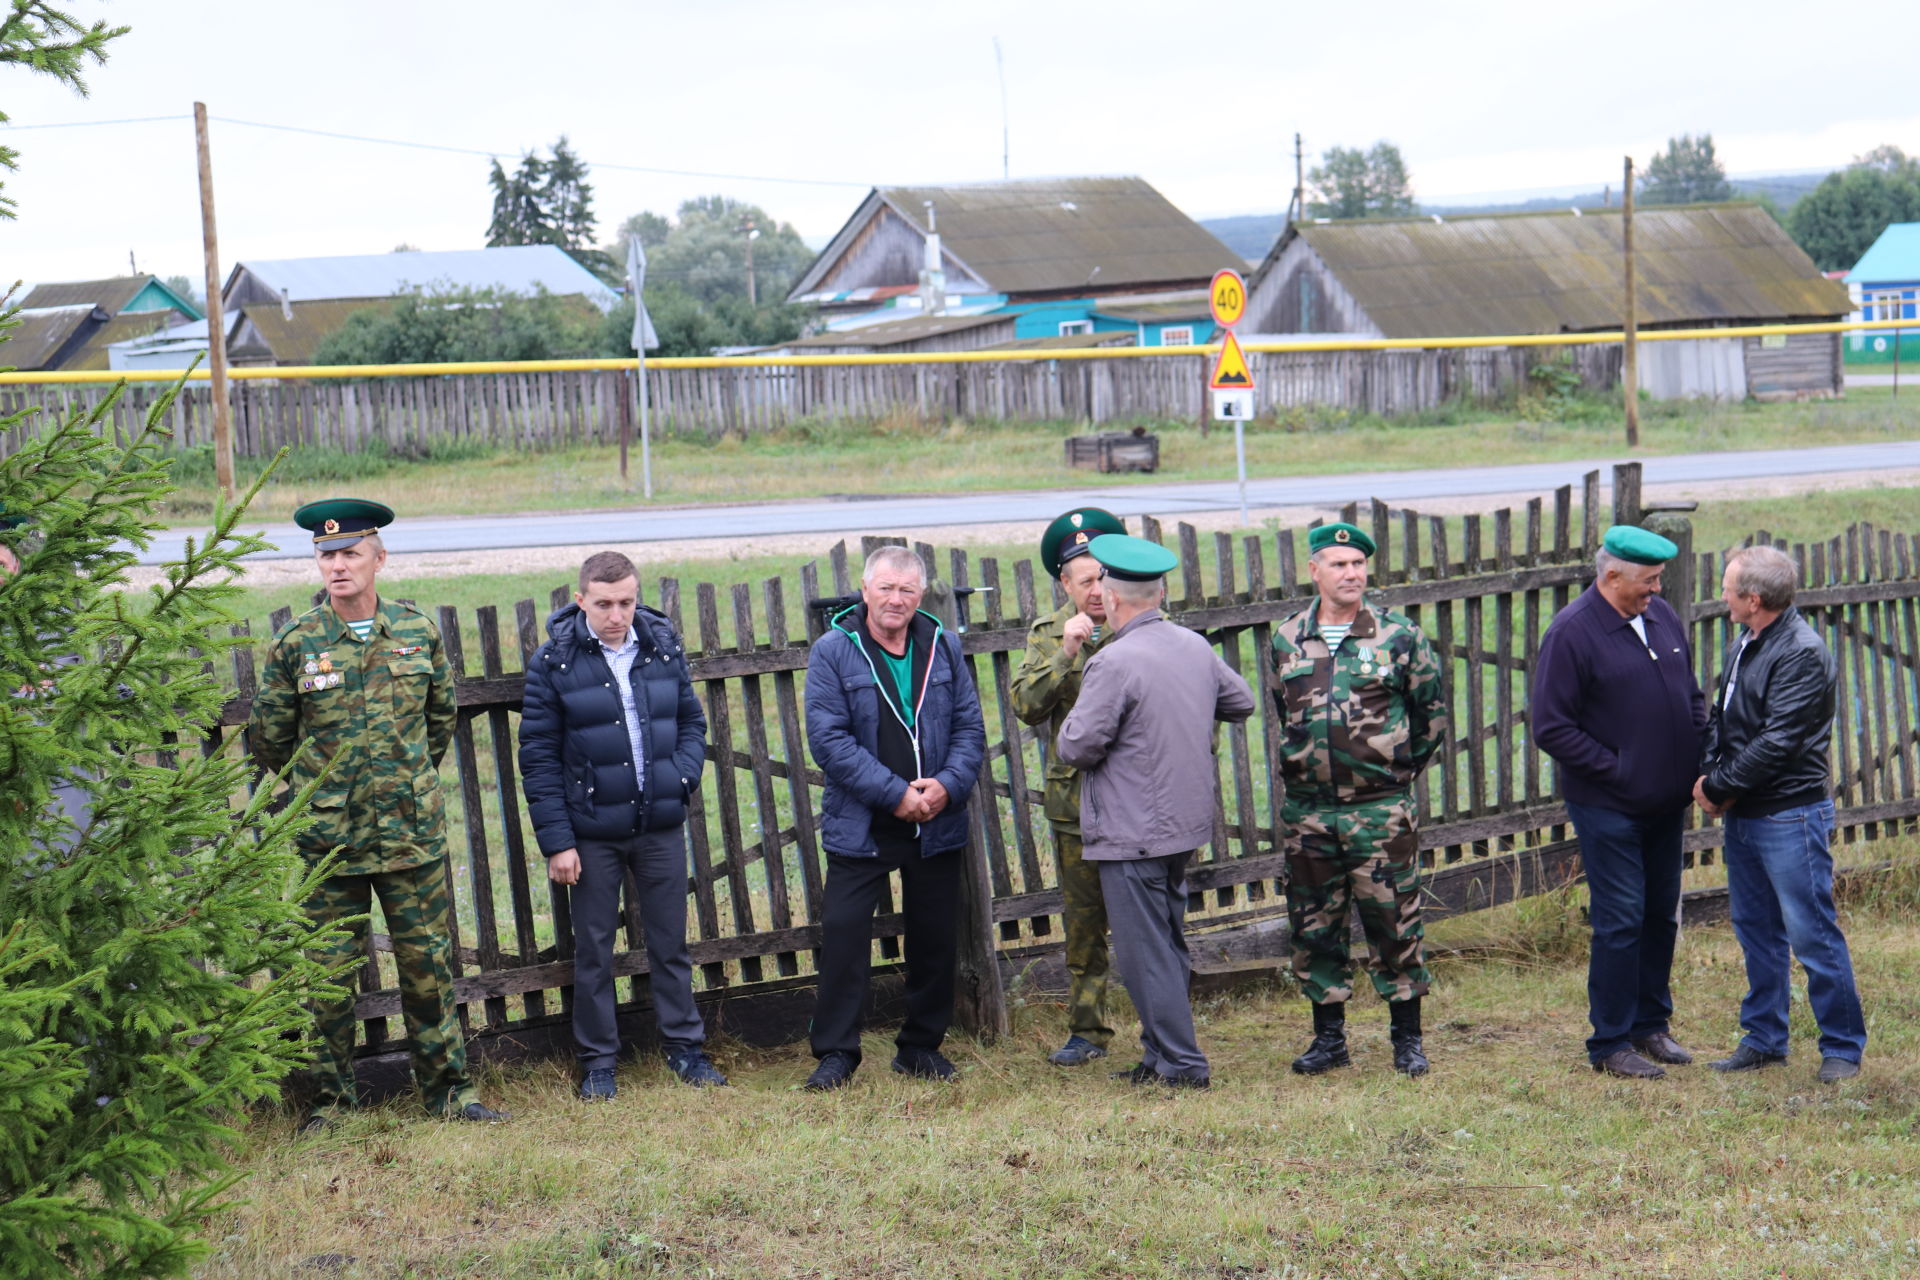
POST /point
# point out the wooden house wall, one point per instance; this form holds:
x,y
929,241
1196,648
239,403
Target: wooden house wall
x,y
890,251
1808,365
1275,299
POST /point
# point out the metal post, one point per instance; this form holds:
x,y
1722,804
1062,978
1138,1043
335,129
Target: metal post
x,y
1240,452
646,452
216,325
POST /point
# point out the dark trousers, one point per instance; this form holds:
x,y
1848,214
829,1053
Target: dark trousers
x,y
1147,906
1632,863
658,861
930,892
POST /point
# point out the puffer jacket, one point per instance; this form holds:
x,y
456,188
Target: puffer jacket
x,y
1767,744
576,759
844,706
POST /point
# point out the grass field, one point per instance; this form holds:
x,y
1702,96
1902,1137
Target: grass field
x,y
911,455
1511,1159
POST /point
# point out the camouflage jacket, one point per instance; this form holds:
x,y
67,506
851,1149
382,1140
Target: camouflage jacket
x,y
1044,689
382,711
1360,724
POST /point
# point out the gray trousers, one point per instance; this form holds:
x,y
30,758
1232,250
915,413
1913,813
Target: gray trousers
x,y
1147,911
658,861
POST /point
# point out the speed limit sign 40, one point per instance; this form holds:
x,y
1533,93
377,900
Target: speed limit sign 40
x,y
1228,297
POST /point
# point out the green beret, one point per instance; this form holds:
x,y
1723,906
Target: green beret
x,y
1070,534
1323,536
1638,546
341,522
1132,559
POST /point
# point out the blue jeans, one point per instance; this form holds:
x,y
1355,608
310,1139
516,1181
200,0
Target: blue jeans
x,y
1632,863
1780,889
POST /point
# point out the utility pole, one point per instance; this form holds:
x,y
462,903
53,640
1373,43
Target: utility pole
x,y
1630,348
1000,66
1297,207
753,299
216,327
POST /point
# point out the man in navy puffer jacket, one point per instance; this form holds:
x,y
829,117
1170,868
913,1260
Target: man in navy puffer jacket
x,y
894,723
612,741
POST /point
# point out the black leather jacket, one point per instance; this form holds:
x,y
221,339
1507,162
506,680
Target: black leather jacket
x,y
1767,747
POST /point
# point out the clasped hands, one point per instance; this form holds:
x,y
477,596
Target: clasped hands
x,y
1700,798
925,798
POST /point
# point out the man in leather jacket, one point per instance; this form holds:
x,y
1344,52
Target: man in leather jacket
x,y
1767,777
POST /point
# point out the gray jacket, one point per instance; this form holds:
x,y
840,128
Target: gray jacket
x,y
1142,732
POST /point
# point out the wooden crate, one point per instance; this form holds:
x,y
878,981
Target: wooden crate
x,y
1135,450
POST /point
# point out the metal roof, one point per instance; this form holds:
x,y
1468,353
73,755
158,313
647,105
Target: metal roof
x,y
1561,272
43,332
109,295
893,332
1189,304
1894,258
522,269
1047,235
92,353
292,334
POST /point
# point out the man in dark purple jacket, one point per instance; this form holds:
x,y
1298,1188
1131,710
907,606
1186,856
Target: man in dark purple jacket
x,y
1616,706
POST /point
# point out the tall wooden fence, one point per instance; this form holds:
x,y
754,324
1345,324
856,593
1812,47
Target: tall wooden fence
x,y
552,410
1483,587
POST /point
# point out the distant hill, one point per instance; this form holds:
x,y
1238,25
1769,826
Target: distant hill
x,y
1252,235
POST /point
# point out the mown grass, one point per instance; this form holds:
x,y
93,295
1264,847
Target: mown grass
x,y
1511,1159
908,454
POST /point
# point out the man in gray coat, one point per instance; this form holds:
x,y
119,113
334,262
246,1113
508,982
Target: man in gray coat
x,y
1142,735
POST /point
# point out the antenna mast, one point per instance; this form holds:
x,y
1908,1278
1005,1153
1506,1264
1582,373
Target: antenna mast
x,y
1000,66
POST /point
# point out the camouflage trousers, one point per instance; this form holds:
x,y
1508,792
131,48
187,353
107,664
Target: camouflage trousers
x,y
1088,961
1364,856
414,903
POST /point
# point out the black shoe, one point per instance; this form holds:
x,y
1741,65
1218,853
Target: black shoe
x,y
480,1113
1661,1047
834,1072
1409,1056
597,1085
317,1124
1329,1047
1834,1070
924,1064
1629,1065
1747,1058
694,1068
1138,1073
1078,1051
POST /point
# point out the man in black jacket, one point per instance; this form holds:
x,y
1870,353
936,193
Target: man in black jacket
x,y
1767,778
612,741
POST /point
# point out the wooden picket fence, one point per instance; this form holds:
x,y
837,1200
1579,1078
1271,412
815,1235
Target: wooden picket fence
x,y
529,411
1483,587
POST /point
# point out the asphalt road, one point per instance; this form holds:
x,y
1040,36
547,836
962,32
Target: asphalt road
x,y
1168,500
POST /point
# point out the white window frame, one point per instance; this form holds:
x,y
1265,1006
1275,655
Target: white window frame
x,y
1075,326
1177,337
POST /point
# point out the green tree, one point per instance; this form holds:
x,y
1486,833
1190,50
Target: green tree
x,y
43,39
1840,219
1351,183
1687,172
185,287
704,251
689,327
153,942
520,213
651,229
467,324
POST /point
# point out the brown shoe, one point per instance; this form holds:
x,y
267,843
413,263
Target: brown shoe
x,y
1662,1047
1627,1063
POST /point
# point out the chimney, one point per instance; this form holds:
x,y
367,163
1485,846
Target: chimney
x,y
933,280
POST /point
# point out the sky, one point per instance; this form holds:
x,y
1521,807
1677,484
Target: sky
x,y
801,105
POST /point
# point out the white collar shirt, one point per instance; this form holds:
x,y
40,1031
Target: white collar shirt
x,y
620,661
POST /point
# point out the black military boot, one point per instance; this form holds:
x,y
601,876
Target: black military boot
x,y
1329,1047
1408,1056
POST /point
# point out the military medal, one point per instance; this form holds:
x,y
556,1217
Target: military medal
x,y
406,650
312,668
326,662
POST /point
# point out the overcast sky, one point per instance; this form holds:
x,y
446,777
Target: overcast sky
x,y
835,95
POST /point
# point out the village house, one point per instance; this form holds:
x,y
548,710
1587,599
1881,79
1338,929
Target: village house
x,y
71,325
1885,285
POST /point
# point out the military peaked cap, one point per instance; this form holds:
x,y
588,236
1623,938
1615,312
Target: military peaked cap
x,y
1638,546
1339,535
1072,533
341,522
1132,559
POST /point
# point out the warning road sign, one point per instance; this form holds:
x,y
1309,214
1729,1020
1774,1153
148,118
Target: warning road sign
x,y
1228,297
1230,371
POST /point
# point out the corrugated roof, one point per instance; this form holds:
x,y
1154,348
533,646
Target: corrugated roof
x,y
517,269
294,338
892,332
1189,304
1561,272
109,295
1049,235
43,331
1894,258
1058,341
92,354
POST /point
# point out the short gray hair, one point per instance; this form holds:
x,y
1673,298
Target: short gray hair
x,y
1766,572
1133,592
1604,560
892,557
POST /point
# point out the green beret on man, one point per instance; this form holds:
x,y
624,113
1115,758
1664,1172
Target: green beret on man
x,y
1132,559
1072,532
1320,537
337,523
1638,546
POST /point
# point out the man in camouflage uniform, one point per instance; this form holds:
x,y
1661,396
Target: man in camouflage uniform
x,y
1360,696
368,681
1044,691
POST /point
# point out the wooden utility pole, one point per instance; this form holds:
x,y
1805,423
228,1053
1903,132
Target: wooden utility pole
x,y
216,327
753,299
1630,347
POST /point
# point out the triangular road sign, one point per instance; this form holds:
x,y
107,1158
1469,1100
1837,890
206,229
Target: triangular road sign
x,y
1230,372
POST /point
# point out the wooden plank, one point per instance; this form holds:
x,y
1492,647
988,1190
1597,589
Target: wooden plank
x,y
479,866
726,790
793,746
773,860
506,781
526,621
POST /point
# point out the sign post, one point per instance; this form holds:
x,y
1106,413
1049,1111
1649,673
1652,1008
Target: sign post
x,y
1232,381
644,339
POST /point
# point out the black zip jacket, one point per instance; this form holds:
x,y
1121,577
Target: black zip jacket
x,y
1767,745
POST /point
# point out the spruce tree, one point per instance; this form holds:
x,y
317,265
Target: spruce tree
x,y
152,937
